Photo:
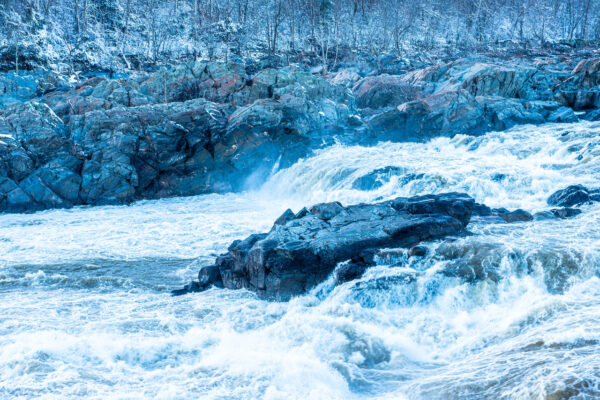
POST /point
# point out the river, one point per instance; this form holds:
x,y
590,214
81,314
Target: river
x,y
85,310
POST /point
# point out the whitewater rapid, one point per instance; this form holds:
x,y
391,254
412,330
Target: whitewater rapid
x,y
85,309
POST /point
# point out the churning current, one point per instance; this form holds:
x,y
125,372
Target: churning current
x,y
85,310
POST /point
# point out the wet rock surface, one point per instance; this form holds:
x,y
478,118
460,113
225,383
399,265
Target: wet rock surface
x,y
574,195
302,250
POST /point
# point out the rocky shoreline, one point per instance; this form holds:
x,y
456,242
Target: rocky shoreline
x,y
207,127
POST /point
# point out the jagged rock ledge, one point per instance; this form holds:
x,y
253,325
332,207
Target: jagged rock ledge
x,y
302,249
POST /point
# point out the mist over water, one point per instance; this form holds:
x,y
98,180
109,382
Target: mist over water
x,y
85,309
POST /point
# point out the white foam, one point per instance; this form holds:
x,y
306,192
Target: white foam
x,y
391,338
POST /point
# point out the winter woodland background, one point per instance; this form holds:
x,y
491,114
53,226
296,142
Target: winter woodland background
x,y
115,35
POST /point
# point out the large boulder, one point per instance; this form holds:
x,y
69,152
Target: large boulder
x,y
442,114
345,78
384,91
302,249
580,89
274,83
589,71
573,195
481,76
484,79
504,113
279,131
262,133
17,88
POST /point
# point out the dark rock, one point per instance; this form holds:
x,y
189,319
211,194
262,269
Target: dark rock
x,y
561,213
355,267
205,127
38,130
442,114
512,216
543,215
327,211
350,270
207,277
272,132
563,114
498,177
218,82
505,113
191,287
571,196
295,256
470,273
41,194
481,210
147,151
64,182
471,263
565,212
456,205
417,251
592,115
384,91
286,217
345,78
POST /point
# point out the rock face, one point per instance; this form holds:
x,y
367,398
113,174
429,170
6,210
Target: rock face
x,y
475,95
302,249
442,114
205,127
39,165
197,128
384,91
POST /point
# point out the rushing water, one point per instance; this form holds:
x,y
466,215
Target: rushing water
x,y
85,310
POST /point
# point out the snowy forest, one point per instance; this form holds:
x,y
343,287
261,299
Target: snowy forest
x,y
114,35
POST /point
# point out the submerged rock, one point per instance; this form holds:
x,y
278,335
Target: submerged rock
x,y
512,216
299,253
417,251
565,212
376,178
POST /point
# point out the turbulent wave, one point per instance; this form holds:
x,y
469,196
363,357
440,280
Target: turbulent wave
x,y
511,312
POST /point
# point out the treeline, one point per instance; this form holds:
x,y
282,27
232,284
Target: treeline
x,y
117,34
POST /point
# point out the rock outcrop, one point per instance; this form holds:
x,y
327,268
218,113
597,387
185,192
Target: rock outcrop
x,y
476,95
574,195
197,128
206,127
302,249
442,114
